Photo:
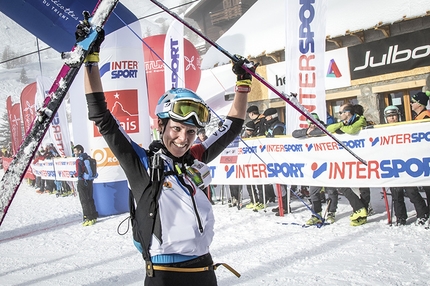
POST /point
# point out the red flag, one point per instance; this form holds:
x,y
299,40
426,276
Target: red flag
x,y
14,116
155,68
28,104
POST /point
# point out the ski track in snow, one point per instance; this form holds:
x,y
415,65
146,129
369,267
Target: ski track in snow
x,y
42,242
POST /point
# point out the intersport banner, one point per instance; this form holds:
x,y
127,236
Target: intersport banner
x,y
174,56
396,156
123,77
392,54
305,25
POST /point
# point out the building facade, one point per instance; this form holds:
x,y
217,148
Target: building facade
x,y
387,64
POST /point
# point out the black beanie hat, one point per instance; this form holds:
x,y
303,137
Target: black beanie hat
x,y
270,111
252,108
250,126
421,98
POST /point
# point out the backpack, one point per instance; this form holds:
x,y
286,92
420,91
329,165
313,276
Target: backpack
x,y
90,169
145,219
272,128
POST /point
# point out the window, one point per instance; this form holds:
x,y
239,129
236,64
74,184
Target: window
x,y
402,100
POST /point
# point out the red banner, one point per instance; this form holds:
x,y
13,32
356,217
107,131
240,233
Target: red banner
x,y
155,68
28,104
14,116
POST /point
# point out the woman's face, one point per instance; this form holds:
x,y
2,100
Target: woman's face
x,y
177,137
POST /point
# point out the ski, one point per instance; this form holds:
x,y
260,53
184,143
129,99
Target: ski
x,y
73,60
318,225
290,99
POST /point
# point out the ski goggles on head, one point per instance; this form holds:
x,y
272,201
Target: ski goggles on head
x,y
186,108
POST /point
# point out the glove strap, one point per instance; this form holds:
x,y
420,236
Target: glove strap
x,y
246,82
92,58
243,86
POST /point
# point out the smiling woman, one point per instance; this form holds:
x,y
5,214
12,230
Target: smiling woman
x,y
173,221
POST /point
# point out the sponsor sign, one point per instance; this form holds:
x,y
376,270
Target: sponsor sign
x,y
305,49
156,70
396,156
393,54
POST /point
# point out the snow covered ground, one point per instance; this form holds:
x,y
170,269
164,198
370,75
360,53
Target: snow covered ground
x,y
42,242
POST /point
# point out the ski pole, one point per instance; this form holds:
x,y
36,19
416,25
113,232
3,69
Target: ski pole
x,y
222,194
253,195
290,99
280,202
326,209
264,196
392,211
387,207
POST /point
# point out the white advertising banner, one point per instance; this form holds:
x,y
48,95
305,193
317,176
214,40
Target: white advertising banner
x,y
122,71
276,77
336,65
59,169
305,26
396,155
174,73
337,74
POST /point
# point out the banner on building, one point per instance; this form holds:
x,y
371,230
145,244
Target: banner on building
x,y
392,54
305,24
336,67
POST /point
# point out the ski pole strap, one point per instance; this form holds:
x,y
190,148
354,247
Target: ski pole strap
x,y
194,269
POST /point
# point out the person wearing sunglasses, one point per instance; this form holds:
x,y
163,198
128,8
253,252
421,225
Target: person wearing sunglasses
x,y
419,103
172,218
